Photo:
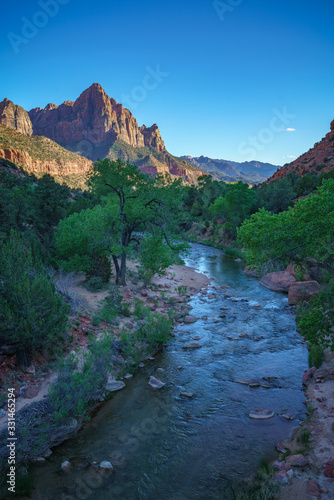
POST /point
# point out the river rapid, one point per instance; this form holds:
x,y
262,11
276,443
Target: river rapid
x,y
167,446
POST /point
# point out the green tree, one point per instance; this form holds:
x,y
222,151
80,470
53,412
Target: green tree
x,y
276,196
84,241
303,234
32,313
51,204
237,204
135,207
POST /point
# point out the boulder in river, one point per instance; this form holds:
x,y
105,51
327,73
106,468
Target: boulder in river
x,y
279,281
66,466
155,383
190,319
114,385
261,414
302,290
106,465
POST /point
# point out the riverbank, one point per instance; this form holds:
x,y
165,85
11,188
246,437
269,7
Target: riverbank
x,y
167,296
314,440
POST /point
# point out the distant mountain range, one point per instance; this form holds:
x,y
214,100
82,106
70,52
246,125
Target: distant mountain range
x,y
94,126
251,172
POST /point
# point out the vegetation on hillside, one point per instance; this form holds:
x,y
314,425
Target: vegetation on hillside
x,y
38,147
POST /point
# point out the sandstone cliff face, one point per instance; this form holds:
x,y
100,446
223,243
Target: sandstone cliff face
x,y
39,167
318,159
93,117
15,117
95,126
152,138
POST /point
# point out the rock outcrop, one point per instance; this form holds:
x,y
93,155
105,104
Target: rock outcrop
x,y
94,126
15,117
152,138
318,159
93,117
279,281
39,155
302,290
54,167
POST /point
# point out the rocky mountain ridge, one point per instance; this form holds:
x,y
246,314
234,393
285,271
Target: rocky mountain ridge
x,y
96,126
252,172
318,159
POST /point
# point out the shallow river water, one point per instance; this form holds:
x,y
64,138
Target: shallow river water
x,y
165,446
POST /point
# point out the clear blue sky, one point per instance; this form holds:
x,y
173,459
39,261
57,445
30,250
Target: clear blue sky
x,y
226,67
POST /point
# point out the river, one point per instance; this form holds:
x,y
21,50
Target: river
x,y
167,446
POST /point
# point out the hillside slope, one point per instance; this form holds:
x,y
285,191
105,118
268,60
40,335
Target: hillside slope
x,y
318,159
39,155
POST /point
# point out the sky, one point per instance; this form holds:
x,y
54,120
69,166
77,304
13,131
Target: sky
x,y
233,79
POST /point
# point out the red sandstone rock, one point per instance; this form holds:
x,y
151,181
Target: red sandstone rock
x,y
321,154
14,116
91,125
302,290
297,460
329,469
251,272
279,281
308,375
313,489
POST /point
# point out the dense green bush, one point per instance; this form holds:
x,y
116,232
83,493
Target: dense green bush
x,y
111,307
316,320
32,313
76,390
155,257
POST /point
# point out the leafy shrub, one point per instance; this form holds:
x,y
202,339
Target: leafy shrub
x,y
32,313
315,356
234,253
155,256
76,390
155,331
315,321
111,308
95,284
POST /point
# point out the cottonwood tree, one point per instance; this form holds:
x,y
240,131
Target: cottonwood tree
x,y
135,207
303,234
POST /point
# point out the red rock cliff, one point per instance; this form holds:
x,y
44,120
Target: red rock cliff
x,y
94,117
14,116
318,159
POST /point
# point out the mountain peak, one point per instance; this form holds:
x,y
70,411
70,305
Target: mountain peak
x,y
16,117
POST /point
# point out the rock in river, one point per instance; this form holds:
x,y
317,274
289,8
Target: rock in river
x,y
114,385
192,345
261,414
66,466
155,383
106,465
279,281
190,319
